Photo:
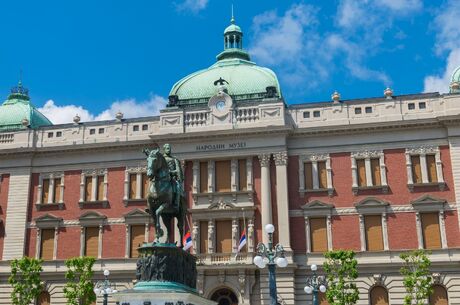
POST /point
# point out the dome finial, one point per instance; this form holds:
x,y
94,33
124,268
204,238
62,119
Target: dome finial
x,y
232,21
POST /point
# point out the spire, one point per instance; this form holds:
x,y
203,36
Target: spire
x,y
19,92
232,21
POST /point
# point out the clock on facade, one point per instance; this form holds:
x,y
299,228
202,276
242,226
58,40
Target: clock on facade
x,y
220,105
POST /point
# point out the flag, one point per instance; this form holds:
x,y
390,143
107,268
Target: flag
x,y
242,240
187,241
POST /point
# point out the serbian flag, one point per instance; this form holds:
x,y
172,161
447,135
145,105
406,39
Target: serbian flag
x,y
242,240
187,241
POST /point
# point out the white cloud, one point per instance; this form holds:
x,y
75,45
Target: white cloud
x,y
447,43
130,109
194,6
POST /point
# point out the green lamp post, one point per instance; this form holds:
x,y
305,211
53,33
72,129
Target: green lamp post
x,y
104,287
315,284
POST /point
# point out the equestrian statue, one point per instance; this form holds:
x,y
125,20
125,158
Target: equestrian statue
x,y
166,196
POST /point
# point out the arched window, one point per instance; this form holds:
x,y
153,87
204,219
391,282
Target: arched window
x,y
379,296
439,296
43,298
224,296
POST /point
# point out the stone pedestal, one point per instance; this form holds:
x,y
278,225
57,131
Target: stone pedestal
x,y
166,275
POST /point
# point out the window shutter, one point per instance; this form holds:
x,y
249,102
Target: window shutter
x,y
91,241
145,185
374,237
375,166
431,232
379,296
57,190
224,236
307,170
416,169
100,188
47,244
223,176
318,235
137,238
132,185
45,190
242,175
439,296
203,177
88,187
431,167
361,167
43,298
322,175
203,237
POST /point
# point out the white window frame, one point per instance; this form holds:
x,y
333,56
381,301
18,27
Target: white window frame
x,y
51,177
318,209
139,171
92,219
314,159
367,155
94,174
422,151
47,221
136,217
373,206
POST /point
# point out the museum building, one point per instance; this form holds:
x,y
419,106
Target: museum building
x,y
376,175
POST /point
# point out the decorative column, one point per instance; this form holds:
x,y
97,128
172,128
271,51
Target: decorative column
x,y
250,235
234,175
99,250
138,185
266,206
146,232
307,233
282,199
385,232
418,223
195,236
127,238
39,241
55,242
211,239
442,229
362,234
423,168
235,237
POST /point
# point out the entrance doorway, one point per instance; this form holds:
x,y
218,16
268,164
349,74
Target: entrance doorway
x,y
224,296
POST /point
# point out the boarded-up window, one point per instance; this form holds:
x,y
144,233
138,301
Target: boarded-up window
x,y
242,175
137,238
91,241
57,190
373,231
223,236
430,229
47,244
379,296
45,190
308,176
203,237
43,298
100,188
322,298
132,186
439,296
318,235
416,169
145,185
88,187
361,168
431,168
322,175
223,181
203,177
375,169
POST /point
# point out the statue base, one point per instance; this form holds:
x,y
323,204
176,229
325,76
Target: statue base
x,y
166,275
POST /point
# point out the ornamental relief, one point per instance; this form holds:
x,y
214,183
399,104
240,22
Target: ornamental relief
x,y
51,175
422,149
315,157
136,169
94,172
367,154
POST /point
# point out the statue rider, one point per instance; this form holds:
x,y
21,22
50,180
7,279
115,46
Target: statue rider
x,y
177,176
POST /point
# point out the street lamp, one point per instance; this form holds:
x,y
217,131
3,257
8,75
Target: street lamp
x,y
271,256
314,284
104,287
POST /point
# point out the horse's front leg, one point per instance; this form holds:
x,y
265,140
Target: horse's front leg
x,y
159,231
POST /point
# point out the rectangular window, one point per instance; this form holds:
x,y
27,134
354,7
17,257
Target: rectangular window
x,y
416,169
318,235
92,131
100,188
136,239
203,177
45,190
368,109
57,190
306,114
50,134
430,230
411,106
47,244
132,186
145,127
422,105
136,128
361,170
58,134
203,237
322,174
316,114
223,236
373,232
308,172
242,175
431,168
223,176
88,187
375,169
358,110
101,130
145,185
91,241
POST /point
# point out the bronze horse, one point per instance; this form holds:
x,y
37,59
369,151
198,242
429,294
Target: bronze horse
x,y
160,196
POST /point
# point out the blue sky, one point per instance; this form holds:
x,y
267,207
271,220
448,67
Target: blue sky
x,y
97,57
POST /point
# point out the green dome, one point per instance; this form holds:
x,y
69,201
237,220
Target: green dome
x,y
17,109
456,75
232,28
